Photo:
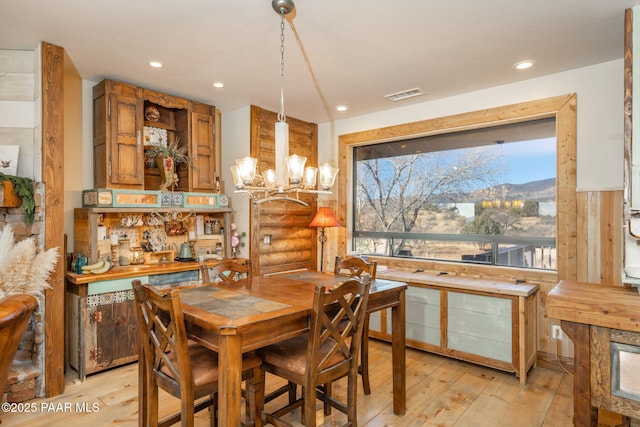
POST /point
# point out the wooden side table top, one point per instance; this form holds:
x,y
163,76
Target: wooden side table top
x,y
608,306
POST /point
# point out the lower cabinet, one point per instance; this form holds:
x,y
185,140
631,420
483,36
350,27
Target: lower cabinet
x,y
488,323
101,320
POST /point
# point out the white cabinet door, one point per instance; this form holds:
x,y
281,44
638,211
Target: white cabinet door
x,y
423,315
480,325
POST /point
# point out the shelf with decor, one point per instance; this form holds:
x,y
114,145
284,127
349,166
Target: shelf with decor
x,y
129,121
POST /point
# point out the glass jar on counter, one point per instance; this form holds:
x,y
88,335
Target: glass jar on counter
x,y
137,255
79,262
208,227
124,247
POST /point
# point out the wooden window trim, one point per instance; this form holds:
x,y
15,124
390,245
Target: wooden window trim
x,y
563,108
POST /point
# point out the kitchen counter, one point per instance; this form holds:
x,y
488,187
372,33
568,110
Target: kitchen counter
x,y
436,278
132,271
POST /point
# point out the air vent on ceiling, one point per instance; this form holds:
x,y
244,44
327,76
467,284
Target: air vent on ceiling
x,y
410,93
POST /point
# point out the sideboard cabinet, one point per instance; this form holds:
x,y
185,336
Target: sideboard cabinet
x,y
102,330
127,119
488,322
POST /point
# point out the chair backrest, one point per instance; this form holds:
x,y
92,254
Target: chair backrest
x,y
355,267
226,271
163,338
336,328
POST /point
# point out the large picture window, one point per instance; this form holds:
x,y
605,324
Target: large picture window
x,y
484,196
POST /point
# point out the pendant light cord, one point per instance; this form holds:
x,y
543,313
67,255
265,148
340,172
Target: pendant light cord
x,y
281,115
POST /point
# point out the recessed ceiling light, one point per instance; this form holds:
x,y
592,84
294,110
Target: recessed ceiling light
x,y
523,65
342,108
218,84
155,64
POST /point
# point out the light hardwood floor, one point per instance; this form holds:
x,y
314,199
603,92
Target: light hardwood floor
x,y
440,392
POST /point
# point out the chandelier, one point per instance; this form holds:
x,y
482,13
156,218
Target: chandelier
x,y
278,184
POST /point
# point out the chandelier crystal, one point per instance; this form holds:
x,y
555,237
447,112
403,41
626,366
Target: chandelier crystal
x,y
280,183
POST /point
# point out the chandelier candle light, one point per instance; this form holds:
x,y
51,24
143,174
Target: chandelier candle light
x,y
276,184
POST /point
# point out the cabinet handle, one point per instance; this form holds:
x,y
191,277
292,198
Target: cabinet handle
x,y
138,141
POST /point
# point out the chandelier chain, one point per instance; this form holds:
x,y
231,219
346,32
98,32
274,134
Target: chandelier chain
x,y
272,184
281,115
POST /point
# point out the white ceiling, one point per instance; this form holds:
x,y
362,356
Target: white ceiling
x,y
357,50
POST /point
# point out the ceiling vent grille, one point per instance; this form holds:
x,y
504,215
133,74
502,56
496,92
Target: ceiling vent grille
x,y
410,93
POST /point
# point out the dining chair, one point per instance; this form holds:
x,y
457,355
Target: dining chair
x,y
184,369
359,267
225,271
325,354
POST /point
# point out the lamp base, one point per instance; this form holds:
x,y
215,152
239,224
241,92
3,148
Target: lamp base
x,y
323,240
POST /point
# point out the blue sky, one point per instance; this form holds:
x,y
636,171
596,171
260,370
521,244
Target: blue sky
x,y
529,160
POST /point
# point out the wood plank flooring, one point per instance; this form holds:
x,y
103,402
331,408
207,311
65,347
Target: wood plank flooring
x,y
440,392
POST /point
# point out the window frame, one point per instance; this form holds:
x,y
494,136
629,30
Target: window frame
x,y
563,108
497,242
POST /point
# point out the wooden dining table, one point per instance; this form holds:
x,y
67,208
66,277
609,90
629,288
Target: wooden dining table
x,y
253,313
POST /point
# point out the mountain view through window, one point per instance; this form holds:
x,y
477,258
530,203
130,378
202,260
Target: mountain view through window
x,y
484,196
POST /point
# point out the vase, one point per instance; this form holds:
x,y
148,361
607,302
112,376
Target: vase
x,y
166,165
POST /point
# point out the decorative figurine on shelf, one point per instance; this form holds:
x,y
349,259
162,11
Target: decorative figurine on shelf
x,y
166,157
236,244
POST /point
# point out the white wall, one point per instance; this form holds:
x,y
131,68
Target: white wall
x,y
19,111
600,133
236,131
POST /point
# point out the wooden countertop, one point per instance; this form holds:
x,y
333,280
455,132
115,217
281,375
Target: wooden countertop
x,y
615,307
453,281
132,271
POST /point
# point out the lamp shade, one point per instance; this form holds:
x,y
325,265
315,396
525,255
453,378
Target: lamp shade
x,y
324,218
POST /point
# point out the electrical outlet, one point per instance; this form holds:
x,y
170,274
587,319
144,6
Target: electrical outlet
x,y
556,332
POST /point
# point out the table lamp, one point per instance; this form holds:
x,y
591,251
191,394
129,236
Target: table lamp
x,y
324,218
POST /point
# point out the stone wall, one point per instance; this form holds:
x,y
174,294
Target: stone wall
x,y
26,379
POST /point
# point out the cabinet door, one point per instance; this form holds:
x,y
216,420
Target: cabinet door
x,y
481,325
127,154
116,335
423,315
203,151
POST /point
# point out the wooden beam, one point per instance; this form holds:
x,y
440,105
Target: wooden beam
x,y
53,177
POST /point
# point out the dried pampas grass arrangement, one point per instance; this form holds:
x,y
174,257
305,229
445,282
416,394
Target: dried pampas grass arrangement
x,y
22,270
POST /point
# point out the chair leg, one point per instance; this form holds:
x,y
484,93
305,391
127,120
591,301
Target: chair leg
x,y
255,396
309,405
352,398
364,357
186,409
327,394
152,402
293,391
213,409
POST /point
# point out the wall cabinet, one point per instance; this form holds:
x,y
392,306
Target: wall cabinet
x,y
124,118
118,157
202,147
488,322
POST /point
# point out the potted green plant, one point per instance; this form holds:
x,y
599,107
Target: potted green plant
x,y
166,158
23,188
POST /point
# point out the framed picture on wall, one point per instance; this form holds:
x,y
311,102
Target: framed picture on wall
x,y
9,159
